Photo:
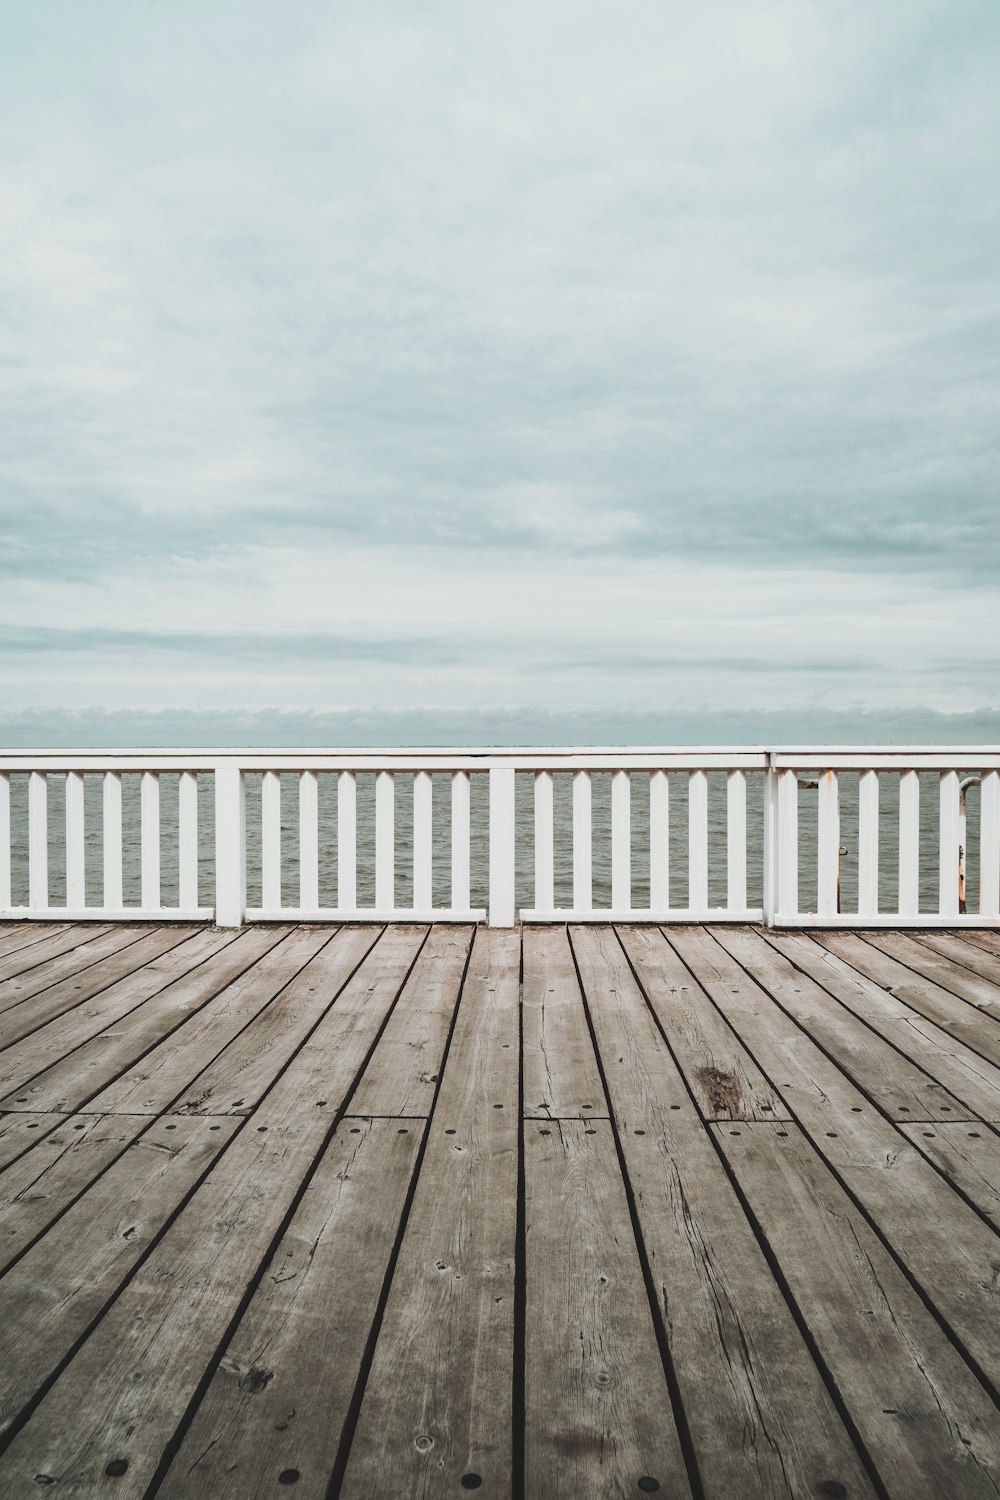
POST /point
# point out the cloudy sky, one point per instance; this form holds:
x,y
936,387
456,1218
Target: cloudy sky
x,y
537,358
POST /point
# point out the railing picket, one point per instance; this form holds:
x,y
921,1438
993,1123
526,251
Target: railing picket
x,y
111,854
76,896
230,846
583,889
502,836
270,841
989,845
659,841
38,841
461,840
949,849
868,844
5,890
423,845
149,840
788,844
828,846
736,840
187,840
544,852
698,841
385,842
308,841
909,843
621,841
347,841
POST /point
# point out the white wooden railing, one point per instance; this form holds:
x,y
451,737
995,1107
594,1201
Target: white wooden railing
x,y
551,835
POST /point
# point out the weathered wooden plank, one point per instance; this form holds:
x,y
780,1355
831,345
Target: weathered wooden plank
x,y
561,1077
721,1074
761,1419
599,1419
940,1053
98,1040
401,1077
987,938
277,1403
66,966
927,964
50,1005
20,1133
968,1155
47,938
958,948
887,1075
162,1074
437,1409
945,1245
52,1294
929,1426
36,1188
246,1068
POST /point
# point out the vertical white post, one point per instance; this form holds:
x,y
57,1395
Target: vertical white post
x,y
736,840
621,841
5,893
76,896
38,841
187,840
828,845
583,889
544,851
113,897
659,841
385,842
149,840
788,843
230,847
461,840
909,843
770,849
347,841
948,861
423,845
501,847
698,840
989,845
308,841
270,841
868,844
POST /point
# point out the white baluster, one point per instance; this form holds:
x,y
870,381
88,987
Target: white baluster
x,y
544,852
423,841
385,842
149,840
909,843
347,841
113,896
950,845
583,889
698,841
38,841
308,841
270,841
868,844
230,847
461,840
659,841
621,841
736,840
788,843
76,896
989,845
502,832
828,844
187,840
5,891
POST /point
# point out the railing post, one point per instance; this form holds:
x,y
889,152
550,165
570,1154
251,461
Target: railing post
x,y
230,847
770,895
501,847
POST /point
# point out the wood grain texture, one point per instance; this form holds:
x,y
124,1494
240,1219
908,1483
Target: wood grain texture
x,y
721,1074
22,1132
598,1411
561,1078
968,1155
435,1410
942,1054
927,1423
885,1073
162,1074
961,950
401,1078
761,1419
928,964
280,1396
26,945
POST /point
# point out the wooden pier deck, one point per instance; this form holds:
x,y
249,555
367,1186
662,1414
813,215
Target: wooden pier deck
x,y
419,1211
